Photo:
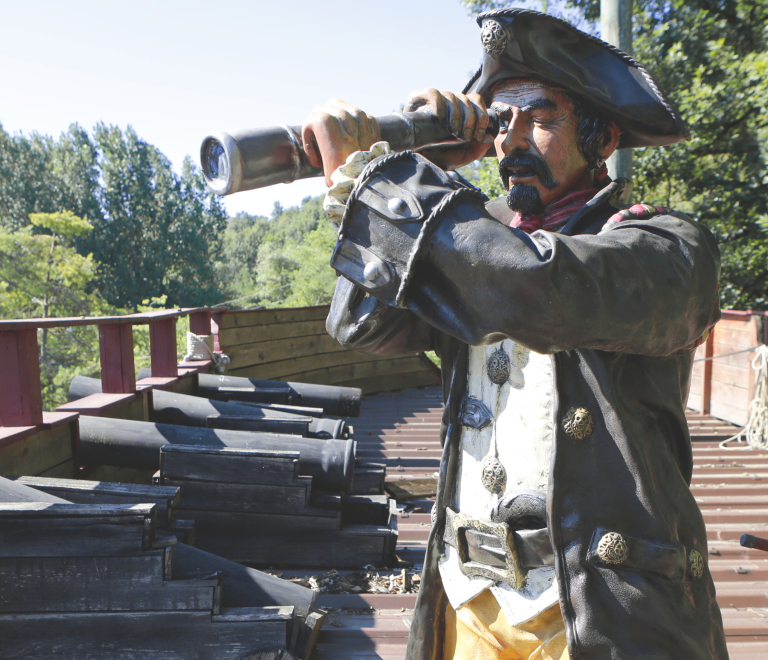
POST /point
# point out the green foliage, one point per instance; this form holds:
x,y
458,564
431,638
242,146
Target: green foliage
x,y
154,233
42,275
281,262
712,59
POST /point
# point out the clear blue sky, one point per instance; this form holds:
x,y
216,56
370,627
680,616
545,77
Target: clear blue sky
x,y
176,70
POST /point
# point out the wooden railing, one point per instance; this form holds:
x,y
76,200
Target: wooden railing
x,y
292,344
723,381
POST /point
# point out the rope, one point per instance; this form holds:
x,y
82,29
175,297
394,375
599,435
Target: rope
x,y
200,347
717,357
755,432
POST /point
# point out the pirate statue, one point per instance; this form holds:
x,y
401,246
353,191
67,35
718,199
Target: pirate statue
x,y
564,525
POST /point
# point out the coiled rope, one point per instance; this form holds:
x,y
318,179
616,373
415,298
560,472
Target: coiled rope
x,y
755,432
200,347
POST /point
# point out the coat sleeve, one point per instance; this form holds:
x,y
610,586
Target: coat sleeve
x,y
424,246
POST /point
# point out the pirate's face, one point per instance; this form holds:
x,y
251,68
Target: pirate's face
x,y
538,144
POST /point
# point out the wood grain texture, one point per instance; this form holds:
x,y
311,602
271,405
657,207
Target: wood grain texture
x,y
80,491
135,636
92,584
244,498
69,530
243,466
20,395
37,453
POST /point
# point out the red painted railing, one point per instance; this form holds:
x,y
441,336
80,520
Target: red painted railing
x,y
20,393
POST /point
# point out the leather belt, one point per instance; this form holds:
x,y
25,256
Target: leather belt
x,y
490,550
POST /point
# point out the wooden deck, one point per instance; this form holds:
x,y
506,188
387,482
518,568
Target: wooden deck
x,y
401,430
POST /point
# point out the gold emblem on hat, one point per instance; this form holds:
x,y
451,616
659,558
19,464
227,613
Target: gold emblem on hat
x,y
494,476
499,367
613,549
494,38
696,562
578,423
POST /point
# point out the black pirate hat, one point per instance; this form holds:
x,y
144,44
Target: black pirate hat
x,y
526,43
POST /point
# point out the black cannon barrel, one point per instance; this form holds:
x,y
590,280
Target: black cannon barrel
x,y
127,443
257,157
341,401
173,408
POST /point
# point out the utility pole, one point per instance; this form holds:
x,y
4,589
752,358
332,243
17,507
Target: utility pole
x,y
616,29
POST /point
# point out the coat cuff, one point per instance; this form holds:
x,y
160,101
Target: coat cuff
x,y
396,204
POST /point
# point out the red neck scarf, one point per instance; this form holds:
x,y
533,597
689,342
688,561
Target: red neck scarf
x,y
559,212
555,214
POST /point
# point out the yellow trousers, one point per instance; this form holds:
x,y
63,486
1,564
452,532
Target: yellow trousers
x,y
479,631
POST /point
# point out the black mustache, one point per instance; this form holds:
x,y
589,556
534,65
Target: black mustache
x,y
529,162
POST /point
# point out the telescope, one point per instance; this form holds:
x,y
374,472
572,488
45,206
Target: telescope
x,y
253,158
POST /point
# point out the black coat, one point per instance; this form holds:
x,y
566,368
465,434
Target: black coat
x,y
620,311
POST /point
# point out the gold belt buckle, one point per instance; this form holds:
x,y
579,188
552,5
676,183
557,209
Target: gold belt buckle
x,y
513,575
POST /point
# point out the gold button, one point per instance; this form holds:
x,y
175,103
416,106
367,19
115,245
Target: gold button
x,y
612,548
696,561
578,423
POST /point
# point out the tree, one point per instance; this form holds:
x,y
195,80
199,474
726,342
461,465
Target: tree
x,y
41,275
711,57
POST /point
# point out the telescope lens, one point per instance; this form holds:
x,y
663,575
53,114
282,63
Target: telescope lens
x,y
214,161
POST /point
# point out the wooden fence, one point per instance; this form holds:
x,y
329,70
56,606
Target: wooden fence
x,y
292,344
723,385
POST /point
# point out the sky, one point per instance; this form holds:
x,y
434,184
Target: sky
x,y
178,70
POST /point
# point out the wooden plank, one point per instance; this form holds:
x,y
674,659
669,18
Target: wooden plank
x,y
270,613
241,466
162,347
245,498
80,491
248,355
200,322
269,316
314,521
352,547
36,529
38,452
65,470
118,372
136,636
355,372
254,334
731,374
365,510
411,489
279,369
88,584
20,395
706,376
391,383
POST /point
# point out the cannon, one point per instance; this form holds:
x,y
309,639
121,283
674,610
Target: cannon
x,y
186,410
337,401
126,443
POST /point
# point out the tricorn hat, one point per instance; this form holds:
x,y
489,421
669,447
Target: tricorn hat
x,y
525,43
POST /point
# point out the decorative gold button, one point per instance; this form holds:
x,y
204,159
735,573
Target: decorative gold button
x,y
696,562
612,548
494,476
499,367
578,423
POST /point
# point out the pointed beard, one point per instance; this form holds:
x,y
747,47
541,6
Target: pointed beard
x,y
525,199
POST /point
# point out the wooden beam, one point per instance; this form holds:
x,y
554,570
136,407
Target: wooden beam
x,y
21,401
706,374
162,348
200,322
118,372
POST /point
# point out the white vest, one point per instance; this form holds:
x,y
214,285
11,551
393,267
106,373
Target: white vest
x,y
520,436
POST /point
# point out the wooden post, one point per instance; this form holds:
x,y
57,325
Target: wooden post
x,y
21,402
118,373
706,377
616,29
162,348
200,322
